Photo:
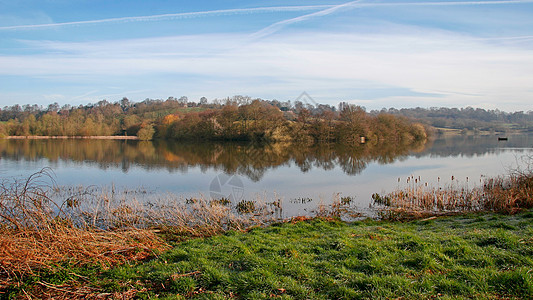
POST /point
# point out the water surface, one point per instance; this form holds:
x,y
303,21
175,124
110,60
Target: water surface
x,y
292,173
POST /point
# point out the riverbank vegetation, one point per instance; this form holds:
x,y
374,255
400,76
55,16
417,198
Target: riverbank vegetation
x,y
96,229
105,244
501,194
237,119
477,256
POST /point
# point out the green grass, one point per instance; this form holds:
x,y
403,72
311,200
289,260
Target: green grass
x,y
480,256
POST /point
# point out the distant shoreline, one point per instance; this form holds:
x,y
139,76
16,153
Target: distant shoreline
x,y
93,137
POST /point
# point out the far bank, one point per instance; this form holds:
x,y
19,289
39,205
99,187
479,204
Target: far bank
x,y
94,137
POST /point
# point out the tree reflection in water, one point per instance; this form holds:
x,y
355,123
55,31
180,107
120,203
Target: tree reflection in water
x,y
250,160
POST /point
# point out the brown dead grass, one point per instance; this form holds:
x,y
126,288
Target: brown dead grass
x,y
509,193
28,252
73,290
36,235
23,252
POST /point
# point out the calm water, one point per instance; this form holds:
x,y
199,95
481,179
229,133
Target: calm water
x,y
243,171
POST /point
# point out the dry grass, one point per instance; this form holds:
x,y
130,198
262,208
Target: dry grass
x,y
200,217
28,252
512,192
500,194
38,232
338,208
167,214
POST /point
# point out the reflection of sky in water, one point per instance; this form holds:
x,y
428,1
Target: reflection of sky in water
x,y
285,182
384,178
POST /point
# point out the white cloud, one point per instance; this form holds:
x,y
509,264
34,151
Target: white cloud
x,y
462,70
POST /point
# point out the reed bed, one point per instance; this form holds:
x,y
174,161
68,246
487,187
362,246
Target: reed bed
x,y
105,227
190,217
38,235
91,226
506,194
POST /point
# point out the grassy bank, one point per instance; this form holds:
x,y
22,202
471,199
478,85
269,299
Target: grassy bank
x,y
99,245
483,256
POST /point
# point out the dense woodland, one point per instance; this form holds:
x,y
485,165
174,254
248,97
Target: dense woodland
x,y
243,118
238,118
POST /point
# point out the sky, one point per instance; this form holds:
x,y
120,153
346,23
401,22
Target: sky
x,y
373,53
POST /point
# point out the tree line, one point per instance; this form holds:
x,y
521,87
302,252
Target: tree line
x,y
466,118
239,118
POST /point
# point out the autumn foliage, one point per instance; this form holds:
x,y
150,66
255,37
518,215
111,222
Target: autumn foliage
x,y
237,118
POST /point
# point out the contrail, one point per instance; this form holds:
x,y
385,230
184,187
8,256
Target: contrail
x,y
174,16
325,10
329,10
279,25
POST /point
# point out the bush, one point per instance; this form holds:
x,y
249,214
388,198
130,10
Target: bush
x,y
146,133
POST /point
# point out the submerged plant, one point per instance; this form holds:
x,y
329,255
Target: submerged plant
x,y
245,206
222,201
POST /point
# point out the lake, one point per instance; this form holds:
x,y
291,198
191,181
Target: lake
x,y
302,177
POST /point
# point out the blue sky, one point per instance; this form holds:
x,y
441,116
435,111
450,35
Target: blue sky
x,y
380,53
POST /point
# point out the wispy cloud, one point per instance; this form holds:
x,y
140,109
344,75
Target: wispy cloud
x,y
175,16
330,67
447,3
84,95
395,63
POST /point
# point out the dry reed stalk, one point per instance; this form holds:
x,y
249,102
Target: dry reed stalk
x,y
201,217
508,194
37,234
104,228
502,194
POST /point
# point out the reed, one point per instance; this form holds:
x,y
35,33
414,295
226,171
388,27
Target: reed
x,y
499,194
105,227
339,207
37,234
